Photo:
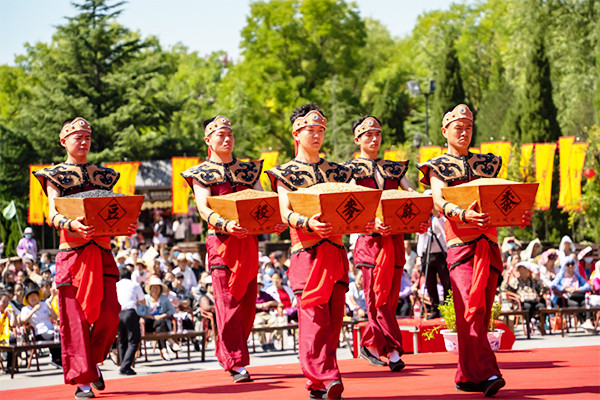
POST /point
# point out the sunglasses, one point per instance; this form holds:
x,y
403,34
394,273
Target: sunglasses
x,y
570,264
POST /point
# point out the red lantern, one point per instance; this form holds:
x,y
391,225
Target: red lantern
x,y
589,173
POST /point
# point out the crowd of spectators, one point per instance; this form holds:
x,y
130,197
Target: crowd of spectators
x,y
164,288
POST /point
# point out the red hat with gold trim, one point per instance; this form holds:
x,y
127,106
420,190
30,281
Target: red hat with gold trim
x,y
313,118
459,112
78,124
219,122
369,124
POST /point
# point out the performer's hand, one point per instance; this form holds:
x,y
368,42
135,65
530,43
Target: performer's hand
x,y
482,220
236,230
132,229
526,219
322,229
280,228
86,232
424,226
381,228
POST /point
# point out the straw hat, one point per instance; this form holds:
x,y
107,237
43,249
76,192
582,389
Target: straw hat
x,y
155,281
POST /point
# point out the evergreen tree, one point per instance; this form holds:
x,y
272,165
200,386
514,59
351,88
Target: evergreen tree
x,y
538,113
449,88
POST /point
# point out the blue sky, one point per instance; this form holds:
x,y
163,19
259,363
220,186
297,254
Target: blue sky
x,y
202,25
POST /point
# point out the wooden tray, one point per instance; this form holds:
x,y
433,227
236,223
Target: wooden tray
x,y
348,212
504,200
111,215
406,212
258,214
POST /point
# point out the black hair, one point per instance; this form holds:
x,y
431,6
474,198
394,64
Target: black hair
x,y
278,274
360,121
124,273
303,110
207,121
4,293
45,282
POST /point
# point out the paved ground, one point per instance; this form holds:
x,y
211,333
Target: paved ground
x,y
49,375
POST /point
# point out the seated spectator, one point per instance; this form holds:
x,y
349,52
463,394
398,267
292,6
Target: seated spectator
x,y
566,248
140,275
404,304
46,288
284,296
40,315
184,314
22,276
46,274
264,318
197,266
530,290
157,313
205,315
586,262
355,297
46,262
569,287
548,267
410,257
178,288
533,249
189,278
121,257
268,271
19,293
8,320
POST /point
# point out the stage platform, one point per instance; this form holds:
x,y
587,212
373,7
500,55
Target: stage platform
x,y
554,373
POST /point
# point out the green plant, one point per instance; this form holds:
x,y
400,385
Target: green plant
x,y
449,313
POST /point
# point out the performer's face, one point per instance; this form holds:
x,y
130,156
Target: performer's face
x,y
77,144
221,141
369,142
310,138
458,133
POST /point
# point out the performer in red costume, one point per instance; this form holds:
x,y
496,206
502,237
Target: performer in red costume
x,y
473,254
318,267
86,273
232,253
379,254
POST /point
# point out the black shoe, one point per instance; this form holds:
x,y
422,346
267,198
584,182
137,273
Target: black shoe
x,y
99,384
397,366
80,394
197,345
469,387
374,361
239,377
317,394
490,388
434,314
334,390
128,372
265,347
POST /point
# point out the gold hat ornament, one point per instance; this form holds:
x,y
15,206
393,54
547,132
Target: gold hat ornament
x,y
219,122
78,124
313,118
369,124
459,112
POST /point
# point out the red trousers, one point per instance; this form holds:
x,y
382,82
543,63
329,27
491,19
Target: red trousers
x,y
319,333
476,360
382,329
234,320
83,349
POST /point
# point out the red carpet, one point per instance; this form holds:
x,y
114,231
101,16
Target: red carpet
x,y
559,373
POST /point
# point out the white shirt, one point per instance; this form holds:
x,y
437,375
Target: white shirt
x,y
40,319
437,227
139,276
189,279
129,294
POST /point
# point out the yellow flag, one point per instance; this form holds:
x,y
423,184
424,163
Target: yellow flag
x,y
565,144
525,164
391,155
544,166
475,150
38,202
128,171
180,190
270,161
578,151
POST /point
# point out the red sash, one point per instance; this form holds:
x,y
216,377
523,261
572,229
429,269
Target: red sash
x,y
241,257
328,267
383,274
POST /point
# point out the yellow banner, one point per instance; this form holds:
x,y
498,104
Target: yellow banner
x,y
38,202
427,153
578,151
501,149
128,171
525,164
270,161
565,144
544,166
391,155
475,150
180,190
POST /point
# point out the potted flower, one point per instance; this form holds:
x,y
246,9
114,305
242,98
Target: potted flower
x,y
450,336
